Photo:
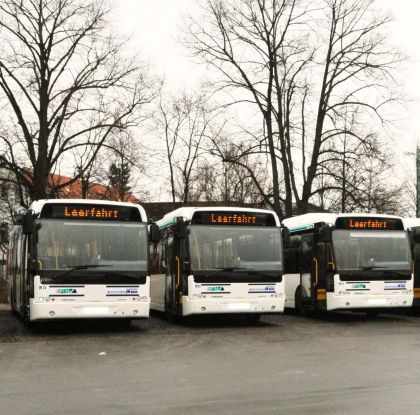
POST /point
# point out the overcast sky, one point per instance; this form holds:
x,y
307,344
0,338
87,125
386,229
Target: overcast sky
x,y
154,28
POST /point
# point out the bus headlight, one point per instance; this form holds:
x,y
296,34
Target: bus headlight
x,y
41,299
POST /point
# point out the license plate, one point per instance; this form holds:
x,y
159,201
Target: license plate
x,y
238,306
94,311
377,301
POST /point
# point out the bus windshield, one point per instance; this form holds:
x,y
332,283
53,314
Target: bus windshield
x,y
216,247
108,246
371,249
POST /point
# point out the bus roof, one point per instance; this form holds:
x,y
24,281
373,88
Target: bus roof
x,y
308,220
37,205
188,212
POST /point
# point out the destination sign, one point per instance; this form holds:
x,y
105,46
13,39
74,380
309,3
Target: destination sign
x,y
89,211
378,223
233,218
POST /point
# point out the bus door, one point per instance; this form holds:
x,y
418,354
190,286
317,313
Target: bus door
x,y
18,271
416,282
307,275
178,254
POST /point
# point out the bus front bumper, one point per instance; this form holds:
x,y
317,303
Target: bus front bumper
x,y
115,309
362,301
232,305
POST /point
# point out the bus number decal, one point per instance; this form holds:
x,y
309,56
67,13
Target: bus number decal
x,y
130,291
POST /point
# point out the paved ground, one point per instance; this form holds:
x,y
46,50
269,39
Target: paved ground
x,y
331,364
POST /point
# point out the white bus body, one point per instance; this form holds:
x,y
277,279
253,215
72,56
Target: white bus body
x,y
347,261
233,266
81,259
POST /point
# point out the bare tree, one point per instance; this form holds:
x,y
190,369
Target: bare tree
x,y
185,123
302,64
243,174
66,84
219,179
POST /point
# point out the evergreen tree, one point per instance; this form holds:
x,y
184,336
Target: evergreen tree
x,y
119,178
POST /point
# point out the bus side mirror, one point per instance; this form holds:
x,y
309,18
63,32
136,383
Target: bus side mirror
x,y
27,221
154,233
327,234
286,236
180,229
4,232
415,235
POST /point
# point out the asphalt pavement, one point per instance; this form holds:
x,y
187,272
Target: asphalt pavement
x,y
284,364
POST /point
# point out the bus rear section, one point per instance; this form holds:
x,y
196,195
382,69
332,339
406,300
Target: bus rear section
x,y
348,262
218,261
80,259
413,226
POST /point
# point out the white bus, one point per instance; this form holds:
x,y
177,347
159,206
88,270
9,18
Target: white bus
x,y
413,225
78,258
218,260
347,262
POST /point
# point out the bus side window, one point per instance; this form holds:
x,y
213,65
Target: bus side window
x,y
292,255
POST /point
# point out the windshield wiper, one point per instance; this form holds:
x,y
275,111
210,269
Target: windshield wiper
x,y
256,272
120,274
76,267
370,267
400,273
